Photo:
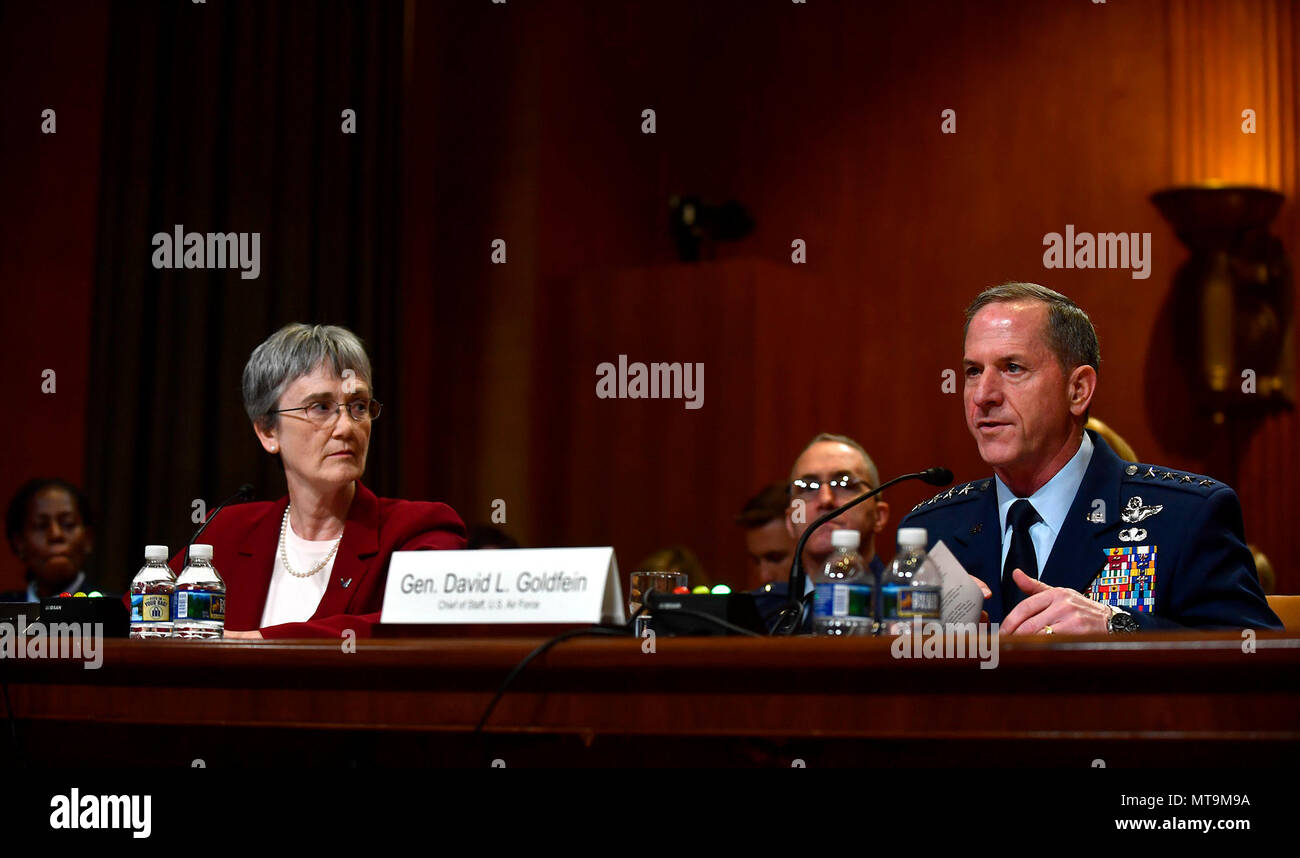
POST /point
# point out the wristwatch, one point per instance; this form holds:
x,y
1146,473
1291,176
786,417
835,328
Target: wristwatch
x,y
1120,621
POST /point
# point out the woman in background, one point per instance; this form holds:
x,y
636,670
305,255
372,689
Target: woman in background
x,y
49,530
314,562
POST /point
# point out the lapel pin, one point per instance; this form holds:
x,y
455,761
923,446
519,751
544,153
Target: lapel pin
x,y
346,582
977,528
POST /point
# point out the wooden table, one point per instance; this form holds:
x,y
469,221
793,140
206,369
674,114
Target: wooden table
x,y
1142,700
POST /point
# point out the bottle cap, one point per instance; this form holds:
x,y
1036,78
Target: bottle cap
x,y
155,552
846,539
912,537
198,551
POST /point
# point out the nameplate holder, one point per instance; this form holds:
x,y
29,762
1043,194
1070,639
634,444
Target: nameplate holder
x,y
517,586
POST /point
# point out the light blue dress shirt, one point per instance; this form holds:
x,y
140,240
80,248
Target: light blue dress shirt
x,y
1052,501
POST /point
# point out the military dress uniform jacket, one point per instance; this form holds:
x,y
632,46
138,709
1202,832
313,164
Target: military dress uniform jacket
x,y
1166,546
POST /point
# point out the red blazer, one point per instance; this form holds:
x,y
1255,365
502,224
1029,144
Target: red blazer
x,y
245,539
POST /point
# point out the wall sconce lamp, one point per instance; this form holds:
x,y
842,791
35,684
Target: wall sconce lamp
x,y
1235,291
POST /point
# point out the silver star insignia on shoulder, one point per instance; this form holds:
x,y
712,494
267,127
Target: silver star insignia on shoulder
x,y
1167,475
1150,474
1206,482
965,489
1185,479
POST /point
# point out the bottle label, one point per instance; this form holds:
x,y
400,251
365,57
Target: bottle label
x,y
842,600
199,606
907,602
151,608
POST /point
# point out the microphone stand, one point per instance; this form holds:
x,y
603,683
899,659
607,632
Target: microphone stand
x,y
244,493
933,476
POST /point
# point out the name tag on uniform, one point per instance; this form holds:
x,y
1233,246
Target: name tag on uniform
x,y
518,585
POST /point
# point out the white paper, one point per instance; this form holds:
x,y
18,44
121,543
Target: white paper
x,y
962,598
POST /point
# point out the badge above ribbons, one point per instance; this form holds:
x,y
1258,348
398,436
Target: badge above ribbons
x,y
1129,579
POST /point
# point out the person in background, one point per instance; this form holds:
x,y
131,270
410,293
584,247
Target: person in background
x,y
1264,568
50,531
314,563
767,541
831,471
677,558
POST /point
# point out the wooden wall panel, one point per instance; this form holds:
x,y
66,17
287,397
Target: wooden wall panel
x,y
824,121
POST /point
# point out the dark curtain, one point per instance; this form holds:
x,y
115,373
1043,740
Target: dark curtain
x,y
226,117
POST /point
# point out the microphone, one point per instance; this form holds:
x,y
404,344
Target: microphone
x,y
933,476
245,492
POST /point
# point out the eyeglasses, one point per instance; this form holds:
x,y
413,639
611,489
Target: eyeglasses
x,y
322,412
844,487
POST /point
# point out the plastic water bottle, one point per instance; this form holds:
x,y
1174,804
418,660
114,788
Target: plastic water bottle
x,y
912,587
842,590
152,591
199,609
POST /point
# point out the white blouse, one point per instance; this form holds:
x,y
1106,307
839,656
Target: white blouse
x,y
291,599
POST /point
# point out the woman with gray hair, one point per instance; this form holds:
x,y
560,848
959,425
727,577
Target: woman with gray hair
x,y
314,562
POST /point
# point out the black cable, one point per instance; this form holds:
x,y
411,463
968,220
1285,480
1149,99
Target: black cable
x,y
718,620
613,631
782,626
610,631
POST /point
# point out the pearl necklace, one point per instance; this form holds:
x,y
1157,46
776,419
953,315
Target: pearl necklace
x,y
284,552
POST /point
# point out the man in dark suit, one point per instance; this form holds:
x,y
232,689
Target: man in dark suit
x,y
1066,536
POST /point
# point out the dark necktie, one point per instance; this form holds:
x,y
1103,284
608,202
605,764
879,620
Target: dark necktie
x,y
1021,517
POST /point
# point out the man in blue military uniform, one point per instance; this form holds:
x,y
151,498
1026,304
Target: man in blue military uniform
x,y
1066,536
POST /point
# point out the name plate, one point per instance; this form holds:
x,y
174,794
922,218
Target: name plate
x,y
518,585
